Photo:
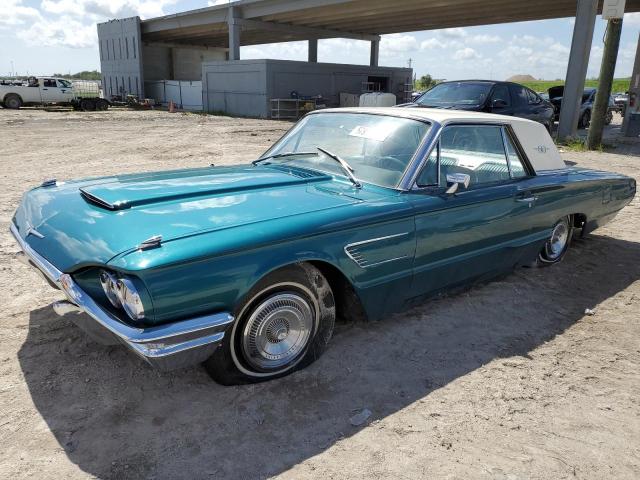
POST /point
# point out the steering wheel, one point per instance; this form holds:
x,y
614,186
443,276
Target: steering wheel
x,y
399,165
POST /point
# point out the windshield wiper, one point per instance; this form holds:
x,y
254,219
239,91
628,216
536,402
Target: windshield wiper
x,y
345,166
280,155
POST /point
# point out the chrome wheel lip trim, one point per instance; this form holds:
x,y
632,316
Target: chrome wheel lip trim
x,y
234,356
297,314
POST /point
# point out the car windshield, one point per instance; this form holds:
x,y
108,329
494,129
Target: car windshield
x,y
377,147
456,93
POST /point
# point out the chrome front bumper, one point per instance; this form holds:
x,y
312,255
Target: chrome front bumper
x,y
166,347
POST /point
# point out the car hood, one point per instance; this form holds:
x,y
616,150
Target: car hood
x,y
83,223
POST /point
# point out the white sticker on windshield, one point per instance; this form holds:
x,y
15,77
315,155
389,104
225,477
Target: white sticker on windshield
x,y
378,133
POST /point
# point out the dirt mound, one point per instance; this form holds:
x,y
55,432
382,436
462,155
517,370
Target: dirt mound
x,y
521,78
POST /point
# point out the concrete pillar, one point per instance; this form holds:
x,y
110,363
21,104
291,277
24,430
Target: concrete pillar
x,y
577,68
375,53
634,91
313,50
234,34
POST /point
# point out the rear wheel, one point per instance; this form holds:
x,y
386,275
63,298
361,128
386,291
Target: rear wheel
x,y
87,105
557,244
608,118
284,324
12,101
584,119
102,104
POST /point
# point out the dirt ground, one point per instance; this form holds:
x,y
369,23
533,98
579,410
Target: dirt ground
x,y
508,380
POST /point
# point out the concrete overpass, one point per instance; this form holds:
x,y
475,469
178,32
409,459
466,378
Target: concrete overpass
x,y
251,22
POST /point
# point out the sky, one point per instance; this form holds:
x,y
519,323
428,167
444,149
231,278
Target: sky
x,y
51,36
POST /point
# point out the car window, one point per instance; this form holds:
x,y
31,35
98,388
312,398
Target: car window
x,y
456,93
520,96
429,175
474,150
49,82
534,99
501,92
64,83
515,162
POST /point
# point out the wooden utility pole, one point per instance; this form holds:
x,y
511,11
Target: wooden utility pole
x,y
607,69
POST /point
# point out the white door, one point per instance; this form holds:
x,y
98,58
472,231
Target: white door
x,y
56,91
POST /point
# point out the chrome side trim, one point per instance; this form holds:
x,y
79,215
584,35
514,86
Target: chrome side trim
x,y
352,251
168,346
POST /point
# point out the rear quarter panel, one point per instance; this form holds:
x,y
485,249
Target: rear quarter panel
x,y
596,195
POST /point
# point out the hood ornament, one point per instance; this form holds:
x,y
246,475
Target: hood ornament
x,y
32,231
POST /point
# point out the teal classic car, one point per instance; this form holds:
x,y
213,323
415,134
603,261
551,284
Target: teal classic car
x,y
354,213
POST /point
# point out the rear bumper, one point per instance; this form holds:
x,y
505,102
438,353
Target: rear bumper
x,y
166,347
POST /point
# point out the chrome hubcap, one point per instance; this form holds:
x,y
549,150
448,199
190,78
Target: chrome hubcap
x,y
277,331
558,241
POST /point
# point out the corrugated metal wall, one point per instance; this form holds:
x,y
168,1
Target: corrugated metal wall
x,y
120,57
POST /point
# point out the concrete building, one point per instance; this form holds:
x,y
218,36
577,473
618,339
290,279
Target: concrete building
x,y
246,87
171,46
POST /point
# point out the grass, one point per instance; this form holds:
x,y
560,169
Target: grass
x,y
577,145
619,84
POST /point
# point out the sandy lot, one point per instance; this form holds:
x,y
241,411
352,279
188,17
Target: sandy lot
x,y
509,380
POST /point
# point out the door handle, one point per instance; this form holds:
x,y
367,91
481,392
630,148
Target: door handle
x,y
45,89
529,199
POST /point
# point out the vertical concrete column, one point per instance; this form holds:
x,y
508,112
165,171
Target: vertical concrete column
x,y
313,50
375,53
577,68
634,91
234,34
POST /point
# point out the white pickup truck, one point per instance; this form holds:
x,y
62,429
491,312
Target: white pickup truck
x,y
81,95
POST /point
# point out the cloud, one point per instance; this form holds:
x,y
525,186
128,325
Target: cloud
x,y
432,43
397,43
467,53
631,19
213,3
454,32
72,23
14,13
485,39
63,31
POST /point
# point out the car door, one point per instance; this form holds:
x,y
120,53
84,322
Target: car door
x,y
49,90
500,101
527,104
478,230
65,91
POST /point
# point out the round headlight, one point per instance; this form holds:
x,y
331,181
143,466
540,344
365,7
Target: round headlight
x,y
110,286
130,299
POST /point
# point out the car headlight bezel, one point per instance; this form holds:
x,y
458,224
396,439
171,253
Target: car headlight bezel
x,y
130,298
122,293
109,284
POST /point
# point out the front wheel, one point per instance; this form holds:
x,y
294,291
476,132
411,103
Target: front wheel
x,y
283,325
557,244
12,101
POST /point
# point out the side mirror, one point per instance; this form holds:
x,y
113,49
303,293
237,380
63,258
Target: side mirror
x,y
498,103
457,179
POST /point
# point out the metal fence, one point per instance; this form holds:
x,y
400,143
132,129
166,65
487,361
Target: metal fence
x,y
185,94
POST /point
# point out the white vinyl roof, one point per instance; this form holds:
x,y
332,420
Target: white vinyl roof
x,y
534,138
